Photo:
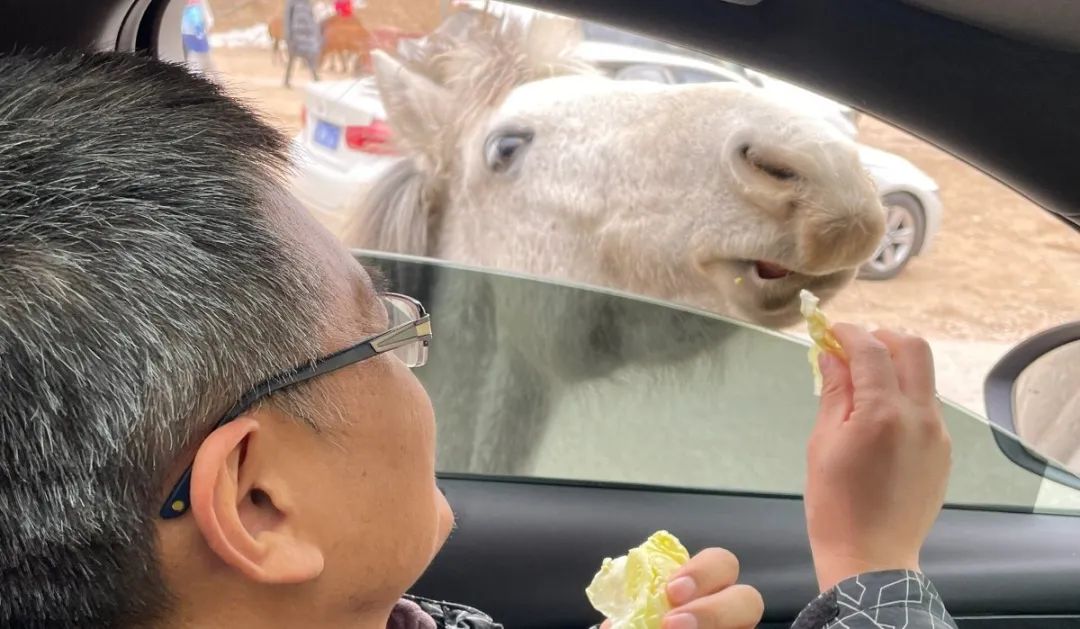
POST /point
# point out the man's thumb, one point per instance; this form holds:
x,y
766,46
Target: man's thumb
x,y
836,388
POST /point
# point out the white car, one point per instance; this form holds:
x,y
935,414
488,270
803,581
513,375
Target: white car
x,y
344,144
912,207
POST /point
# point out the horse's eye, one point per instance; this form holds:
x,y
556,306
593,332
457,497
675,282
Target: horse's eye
x,y
503,148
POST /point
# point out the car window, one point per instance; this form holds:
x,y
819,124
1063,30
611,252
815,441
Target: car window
x,y
595,31
642,72
537,379
679,198
690,75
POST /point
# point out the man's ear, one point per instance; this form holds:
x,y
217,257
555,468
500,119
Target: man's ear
x,y
416,106
241,507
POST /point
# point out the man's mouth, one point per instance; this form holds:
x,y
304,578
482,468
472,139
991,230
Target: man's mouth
x,y
770,270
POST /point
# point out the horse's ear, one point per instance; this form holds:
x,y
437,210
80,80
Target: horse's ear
x,y
416,107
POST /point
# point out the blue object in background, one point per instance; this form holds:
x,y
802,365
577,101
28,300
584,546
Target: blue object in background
x,y
193,28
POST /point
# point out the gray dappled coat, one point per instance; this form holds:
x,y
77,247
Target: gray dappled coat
x,y
303,34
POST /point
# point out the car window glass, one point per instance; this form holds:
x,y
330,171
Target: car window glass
x,y
682,195
542,380
690,75
653,73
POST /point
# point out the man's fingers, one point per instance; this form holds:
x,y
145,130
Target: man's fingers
x,y
836,390
913,362
707,572
736,607
870,361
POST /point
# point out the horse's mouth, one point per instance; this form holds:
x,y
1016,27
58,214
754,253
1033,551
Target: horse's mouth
x,y
767,293
770,270
778,286
769,273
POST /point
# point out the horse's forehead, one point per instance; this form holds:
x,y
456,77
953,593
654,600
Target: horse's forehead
x,y
549,93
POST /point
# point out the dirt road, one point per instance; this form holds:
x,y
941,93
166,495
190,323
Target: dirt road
x,y
1000,269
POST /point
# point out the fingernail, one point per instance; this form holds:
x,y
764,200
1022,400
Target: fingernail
x,y
681,590
680,621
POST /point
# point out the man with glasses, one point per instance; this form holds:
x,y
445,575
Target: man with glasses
x,y
207,413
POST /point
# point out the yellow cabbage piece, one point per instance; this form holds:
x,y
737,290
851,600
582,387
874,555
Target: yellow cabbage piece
x,y
631,591
820,334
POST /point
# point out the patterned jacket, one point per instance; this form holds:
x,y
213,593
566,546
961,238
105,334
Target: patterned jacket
x,y
878,600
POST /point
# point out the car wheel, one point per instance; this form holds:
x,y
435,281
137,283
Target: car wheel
x,y
905,228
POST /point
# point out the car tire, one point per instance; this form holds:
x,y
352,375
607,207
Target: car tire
x,y
905,224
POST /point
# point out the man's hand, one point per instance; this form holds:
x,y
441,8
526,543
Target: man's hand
x,y
704,595
879,456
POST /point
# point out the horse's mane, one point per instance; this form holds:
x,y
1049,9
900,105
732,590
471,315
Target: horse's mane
x,y
478,59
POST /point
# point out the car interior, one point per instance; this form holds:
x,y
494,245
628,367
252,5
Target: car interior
x,y
989,81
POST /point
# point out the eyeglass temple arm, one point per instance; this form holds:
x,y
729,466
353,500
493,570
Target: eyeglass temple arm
x,y
176,504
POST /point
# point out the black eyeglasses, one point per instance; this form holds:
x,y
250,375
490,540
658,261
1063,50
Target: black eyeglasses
x,y
408,338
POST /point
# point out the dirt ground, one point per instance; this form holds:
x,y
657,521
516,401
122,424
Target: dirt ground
x,y
409,15
999,270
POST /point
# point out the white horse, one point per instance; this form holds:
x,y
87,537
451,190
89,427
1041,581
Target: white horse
x,y
520,158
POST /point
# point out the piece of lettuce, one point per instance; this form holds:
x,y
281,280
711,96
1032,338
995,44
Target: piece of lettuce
x,y
631,591
820,334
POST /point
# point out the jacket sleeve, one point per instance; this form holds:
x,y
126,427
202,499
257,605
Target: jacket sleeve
x,y
449,616
878,600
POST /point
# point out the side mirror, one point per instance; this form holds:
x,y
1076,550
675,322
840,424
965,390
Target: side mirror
x,y
1033,398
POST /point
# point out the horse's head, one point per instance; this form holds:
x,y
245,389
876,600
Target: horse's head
x,y
712,195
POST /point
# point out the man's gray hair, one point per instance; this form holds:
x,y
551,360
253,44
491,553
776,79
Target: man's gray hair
x,y
143,289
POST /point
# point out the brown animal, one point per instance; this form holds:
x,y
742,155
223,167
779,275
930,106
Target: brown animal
x,y
346,44
276,28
